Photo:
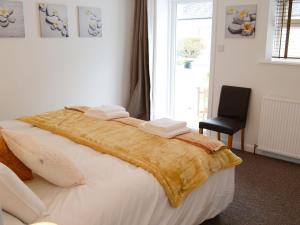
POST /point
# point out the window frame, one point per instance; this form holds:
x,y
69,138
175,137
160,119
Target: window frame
x,y
290,24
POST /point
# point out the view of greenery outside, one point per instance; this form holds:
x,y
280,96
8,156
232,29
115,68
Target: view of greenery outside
x,y
190,47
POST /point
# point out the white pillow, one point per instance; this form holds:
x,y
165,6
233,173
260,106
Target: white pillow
x,y
17,199
43,158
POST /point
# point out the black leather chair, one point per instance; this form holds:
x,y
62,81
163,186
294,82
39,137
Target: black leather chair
x,y
232,114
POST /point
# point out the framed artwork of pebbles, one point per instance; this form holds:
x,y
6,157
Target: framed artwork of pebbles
x,y
11,19
240,21
90,22
54,20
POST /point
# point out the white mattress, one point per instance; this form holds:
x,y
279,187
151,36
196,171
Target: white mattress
x,y
117,193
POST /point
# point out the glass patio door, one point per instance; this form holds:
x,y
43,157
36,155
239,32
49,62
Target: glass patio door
x,y
191,62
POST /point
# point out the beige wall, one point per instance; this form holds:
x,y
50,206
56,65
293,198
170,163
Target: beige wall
x,y
239,65
38,74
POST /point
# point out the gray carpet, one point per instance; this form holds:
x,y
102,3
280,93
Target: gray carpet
x,y
267,193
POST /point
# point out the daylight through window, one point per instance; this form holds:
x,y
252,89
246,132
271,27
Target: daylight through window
x,y
286,42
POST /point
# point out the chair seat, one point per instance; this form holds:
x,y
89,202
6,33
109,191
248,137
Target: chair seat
x,y
222,125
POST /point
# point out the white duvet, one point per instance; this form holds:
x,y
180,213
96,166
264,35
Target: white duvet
x,y
117,193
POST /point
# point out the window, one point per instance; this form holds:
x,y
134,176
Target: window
x,y
286,43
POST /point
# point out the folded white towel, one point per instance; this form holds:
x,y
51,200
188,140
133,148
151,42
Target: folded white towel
x,y
103,114
169,134
165,125
107,109
107,116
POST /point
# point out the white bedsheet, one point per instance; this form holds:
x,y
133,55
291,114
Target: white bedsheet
x,y
118,193
10,220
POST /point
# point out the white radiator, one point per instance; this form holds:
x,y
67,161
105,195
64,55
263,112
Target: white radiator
x,y
280,127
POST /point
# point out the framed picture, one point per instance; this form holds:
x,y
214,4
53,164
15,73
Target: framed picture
x,y
54,20
11,19
90,22
240,21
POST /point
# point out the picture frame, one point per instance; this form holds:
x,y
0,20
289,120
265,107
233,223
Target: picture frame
x,y
54,20
241,21
90,22
11,19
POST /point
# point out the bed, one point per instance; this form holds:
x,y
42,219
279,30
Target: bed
x,y
117,192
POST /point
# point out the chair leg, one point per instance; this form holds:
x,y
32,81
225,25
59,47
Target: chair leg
x,y
243,139
201,130
219,136
230,141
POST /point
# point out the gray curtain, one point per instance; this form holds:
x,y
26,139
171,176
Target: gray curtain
x,y
139,104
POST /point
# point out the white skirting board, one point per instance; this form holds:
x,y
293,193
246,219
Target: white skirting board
x,y
277,156
250,148
237,145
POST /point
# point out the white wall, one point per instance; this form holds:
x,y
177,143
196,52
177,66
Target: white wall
x,y
239,65
38,74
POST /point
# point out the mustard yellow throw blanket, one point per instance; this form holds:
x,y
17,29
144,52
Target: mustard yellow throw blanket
x,y
194,138
179,167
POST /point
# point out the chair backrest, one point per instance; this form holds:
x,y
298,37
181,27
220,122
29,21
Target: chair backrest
x,y
234,102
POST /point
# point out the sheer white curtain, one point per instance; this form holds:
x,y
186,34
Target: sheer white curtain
x,y
160,27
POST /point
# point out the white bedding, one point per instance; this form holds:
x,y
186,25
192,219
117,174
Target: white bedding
x,y
10,220
117,193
